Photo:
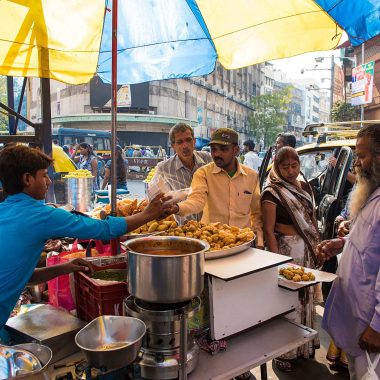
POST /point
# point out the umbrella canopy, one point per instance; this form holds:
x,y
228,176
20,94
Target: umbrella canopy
x,y
70,40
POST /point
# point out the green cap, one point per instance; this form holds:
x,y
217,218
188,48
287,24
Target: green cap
x,y
224,136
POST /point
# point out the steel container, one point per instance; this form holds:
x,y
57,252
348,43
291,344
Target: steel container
x,y
79,193
21,362
165,278
111,342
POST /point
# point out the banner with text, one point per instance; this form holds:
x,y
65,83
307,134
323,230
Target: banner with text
x,y
362,84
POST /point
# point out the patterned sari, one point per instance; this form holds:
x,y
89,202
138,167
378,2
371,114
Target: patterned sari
x,y
299,205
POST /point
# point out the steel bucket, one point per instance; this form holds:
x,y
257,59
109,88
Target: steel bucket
x,y
79,193
111,342
167,277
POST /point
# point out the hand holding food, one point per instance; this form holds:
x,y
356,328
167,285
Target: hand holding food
x,y
297,274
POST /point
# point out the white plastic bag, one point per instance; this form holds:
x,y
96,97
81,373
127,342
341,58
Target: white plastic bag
x,y
371,370
177,196
156,186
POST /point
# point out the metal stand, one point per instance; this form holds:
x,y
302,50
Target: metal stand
x,y
183,348
263,371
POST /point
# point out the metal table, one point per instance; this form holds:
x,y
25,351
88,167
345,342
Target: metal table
x,y
252,348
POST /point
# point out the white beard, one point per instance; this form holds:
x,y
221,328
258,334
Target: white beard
x,y
359,196
365,185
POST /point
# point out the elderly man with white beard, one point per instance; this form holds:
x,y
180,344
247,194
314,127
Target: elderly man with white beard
x,y
352,312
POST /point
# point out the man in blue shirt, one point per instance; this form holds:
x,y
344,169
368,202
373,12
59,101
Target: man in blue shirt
x,y
26,223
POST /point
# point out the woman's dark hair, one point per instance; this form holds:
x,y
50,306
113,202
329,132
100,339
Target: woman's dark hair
x,y
120,167
88,147
286,152
17,160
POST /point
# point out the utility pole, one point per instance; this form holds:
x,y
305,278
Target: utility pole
x,y
362,106
332,83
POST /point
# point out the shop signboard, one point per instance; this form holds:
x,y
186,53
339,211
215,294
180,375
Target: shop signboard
x,y
362,84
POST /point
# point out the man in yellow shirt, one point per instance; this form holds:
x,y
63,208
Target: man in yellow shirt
x,y
226,191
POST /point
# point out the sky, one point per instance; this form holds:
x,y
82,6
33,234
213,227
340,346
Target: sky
x,y
292,66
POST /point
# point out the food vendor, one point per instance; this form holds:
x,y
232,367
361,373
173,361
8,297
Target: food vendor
x,y
178,171
26,222
226,190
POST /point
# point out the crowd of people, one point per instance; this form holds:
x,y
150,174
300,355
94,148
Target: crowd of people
x,y
225,190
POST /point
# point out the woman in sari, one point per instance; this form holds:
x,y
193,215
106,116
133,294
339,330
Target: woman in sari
x,y
290,228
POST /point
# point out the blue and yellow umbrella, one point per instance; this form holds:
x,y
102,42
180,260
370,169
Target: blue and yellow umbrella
x,y
70,40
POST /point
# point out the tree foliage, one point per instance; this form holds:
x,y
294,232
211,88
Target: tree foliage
x,y
342,111
270,115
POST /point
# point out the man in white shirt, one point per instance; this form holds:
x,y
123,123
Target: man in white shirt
x,y
251,159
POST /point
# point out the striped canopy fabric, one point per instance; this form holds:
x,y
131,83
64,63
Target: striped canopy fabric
x,y
70,41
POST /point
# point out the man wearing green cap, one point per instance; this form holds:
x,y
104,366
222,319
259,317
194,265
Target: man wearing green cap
x,y
226,191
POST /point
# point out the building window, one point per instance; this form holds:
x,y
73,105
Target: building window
x,y
58,108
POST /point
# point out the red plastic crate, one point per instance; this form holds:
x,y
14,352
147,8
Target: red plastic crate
x,y
94,300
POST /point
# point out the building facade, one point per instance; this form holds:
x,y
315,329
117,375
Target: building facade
x,y
220,99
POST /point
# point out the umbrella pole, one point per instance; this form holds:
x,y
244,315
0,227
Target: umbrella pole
x,y
114,245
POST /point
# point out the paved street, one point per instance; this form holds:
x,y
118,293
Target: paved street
x,y
312,369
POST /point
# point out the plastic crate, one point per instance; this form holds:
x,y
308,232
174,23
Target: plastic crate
x,y
94,300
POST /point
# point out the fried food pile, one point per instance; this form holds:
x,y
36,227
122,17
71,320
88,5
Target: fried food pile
x,y
156,226
128,207
218,235
296,274
124,207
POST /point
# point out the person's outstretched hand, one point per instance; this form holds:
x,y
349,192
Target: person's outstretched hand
x,y
155,207
78,265
329,248
344,228
370,340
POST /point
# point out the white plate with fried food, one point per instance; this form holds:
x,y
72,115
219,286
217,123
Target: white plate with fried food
x,y
296,274
224,240
217,254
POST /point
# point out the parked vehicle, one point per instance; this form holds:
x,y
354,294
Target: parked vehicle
x,y
99,140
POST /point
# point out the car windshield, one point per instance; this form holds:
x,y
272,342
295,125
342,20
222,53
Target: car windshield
x,y
314,163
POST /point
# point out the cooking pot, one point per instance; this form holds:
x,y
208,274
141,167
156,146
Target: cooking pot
x,y
165,269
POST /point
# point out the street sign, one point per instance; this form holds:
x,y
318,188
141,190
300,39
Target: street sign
x,y
362,84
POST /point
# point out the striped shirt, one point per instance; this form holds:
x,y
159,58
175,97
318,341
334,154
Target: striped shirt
x,y
177,176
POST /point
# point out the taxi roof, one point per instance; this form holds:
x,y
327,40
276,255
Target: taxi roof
x,y
327,145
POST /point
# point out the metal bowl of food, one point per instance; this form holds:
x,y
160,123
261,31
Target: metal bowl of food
x,y
165,269
110,342
28,360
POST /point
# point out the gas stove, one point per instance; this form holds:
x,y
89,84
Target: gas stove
x,y
161,351
129,372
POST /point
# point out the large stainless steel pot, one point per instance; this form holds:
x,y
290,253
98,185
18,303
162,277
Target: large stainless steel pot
x,y
111,341
168,277
79,193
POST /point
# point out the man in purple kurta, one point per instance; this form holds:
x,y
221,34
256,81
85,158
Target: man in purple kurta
x,y
352,312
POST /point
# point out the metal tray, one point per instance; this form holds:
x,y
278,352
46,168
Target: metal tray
x,y
134,236
229,251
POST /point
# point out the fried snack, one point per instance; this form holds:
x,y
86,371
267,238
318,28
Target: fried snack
x,y
297,274
218,235
156,226
124,207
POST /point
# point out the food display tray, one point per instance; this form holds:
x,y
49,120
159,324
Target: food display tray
x,y
135,236
209,255
320,276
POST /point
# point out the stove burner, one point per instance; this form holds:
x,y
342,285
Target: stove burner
x,y
160,306
129,372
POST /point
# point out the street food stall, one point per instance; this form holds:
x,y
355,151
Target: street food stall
x,y
38,41
167,280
